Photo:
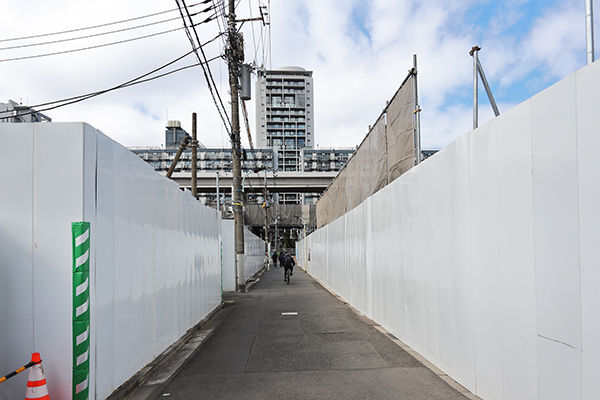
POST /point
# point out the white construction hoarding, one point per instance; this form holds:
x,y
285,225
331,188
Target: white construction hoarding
x,y
485,258
155,256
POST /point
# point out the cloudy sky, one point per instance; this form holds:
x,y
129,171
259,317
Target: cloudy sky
x,y
359,51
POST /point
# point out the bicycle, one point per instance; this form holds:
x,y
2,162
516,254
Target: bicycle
x,y
286,276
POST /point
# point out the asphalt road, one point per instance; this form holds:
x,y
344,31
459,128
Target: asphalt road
x,y
299,341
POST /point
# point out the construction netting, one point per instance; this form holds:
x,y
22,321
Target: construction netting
x,y
286,215
387,152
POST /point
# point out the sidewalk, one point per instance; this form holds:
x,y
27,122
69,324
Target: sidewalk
x,y
325,351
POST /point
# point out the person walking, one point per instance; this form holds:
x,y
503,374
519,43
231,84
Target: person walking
x,y
281,255
274,257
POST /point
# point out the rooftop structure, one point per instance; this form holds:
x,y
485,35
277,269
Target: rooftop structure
x,y
13,112
174,135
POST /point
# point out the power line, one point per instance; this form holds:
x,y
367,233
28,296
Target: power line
x,y
253,34
222,14
101,45
135,81
270,49
100,34
131,82
91,95
206,69
261,40
98,26
204,56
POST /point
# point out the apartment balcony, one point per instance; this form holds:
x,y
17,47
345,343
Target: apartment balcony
x,y
284,105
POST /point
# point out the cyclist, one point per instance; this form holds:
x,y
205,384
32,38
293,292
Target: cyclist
x,y
288,263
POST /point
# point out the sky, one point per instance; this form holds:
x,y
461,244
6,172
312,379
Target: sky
x,y
359,51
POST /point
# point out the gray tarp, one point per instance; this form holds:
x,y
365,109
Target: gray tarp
x,y
387,152
400,132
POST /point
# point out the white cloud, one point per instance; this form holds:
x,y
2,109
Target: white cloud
x,y
359,52
355,76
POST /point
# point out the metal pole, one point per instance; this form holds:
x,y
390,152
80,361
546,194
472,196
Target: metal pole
x,y
589,30
218,198
182,147
475,54
234,60
487,88
277,247
304,240
304,230
417,113
276,196
266,221
194,147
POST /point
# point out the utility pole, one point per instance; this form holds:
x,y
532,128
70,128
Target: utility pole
x,y
218,194
266,206
182,146
194,147
235,57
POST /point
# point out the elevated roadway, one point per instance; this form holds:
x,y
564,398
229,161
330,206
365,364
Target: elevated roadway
x,y
280,182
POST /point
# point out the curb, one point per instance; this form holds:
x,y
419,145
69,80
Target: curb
x,y
155,376
253,280
426,363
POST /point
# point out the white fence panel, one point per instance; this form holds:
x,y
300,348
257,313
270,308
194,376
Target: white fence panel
x,y
228,255
588,98
155,267
254,255
493,263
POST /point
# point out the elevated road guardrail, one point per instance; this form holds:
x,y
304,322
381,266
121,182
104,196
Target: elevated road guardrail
x,y
280,182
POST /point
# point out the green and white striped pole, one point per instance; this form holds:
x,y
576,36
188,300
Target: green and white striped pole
x,y
81,309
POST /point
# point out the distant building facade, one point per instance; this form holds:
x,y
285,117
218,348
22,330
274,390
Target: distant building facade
x,y
209,160
317,160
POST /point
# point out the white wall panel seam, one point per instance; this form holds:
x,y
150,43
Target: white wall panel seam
x,y
578,195
469,194
499,272
535,270
470,253
34,228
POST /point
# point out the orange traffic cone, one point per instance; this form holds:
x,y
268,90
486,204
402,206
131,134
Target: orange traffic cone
x,y
36,385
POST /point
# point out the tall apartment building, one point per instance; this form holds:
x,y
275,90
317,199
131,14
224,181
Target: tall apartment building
x,y
284,114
